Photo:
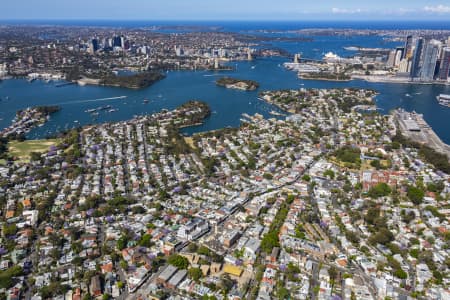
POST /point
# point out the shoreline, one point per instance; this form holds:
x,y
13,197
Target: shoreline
x,y
325,79
393,80
425,135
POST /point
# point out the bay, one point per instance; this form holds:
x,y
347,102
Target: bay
x,y
227,105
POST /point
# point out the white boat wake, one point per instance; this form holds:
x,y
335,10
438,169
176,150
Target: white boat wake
x,y
95,100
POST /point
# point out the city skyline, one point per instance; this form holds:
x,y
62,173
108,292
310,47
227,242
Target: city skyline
x,y
231,10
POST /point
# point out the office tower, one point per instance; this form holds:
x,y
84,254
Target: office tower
x,y
408,51
403,66
122,41
391,59
178,51
126,45
417,58
445,64
429,60
249,54
94,43
117,41
398,56
216,63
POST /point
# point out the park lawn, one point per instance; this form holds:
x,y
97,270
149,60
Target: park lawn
x,y
22,150
2,162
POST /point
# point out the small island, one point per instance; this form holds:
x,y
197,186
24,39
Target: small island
x,y
238,84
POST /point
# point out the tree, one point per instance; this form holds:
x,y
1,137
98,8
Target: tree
x,y
120,285
122,242
226,283
87,296
268,176
333,273
415,194
329,173
203,251
414,252
292,271
195,274
123,264
383,236
349,154
54,289
192,247
408,217
10,229
269,241
178,261
399,273
376,164
35,156
283,293
106,297
379,190
352,236
7,276
145,240
372,214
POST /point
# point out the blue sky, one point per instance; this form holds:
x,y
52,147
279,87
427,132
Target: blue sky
x,y
226,10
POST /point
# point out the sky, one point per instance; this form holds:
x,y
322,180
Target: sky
x,y
293,10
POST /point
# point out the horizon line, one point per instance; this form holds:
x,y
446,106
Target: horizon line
x,y
434,20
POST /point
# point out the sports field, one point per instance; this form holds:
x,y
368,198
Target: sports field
x,y
22,150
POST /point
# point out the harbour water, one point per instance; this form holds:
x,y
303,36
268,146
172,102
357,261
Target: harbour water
x,y
227,105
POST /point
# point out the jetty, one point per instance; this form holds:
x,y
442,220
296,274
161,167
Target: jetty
x,y
413,126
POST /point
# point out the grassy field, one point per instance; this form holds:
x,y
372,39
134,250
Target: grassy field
x,y
22,150
2,162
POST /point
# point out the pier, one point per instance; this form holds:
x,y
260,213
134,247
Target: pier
x,y
413,126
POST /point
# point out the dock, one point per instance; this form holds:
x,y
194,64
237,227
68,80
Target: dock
x,y
413,126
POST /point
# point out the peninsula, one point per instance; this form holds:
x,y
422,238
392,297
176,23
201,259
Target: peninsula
x,y
28,119
135,81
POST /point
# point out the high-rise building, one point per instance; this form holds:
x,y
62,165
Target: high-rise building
x,y
117,41
445,64
429,60
398,56
126,45
94,45
391,59
408,51
249,54
417,58
216,63
403,66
